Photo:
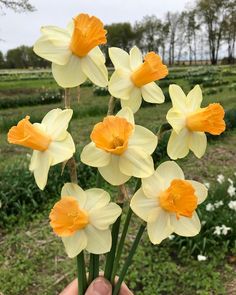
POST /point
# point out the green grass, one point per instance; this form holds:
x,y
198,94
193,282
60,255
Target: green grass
x,y
32,259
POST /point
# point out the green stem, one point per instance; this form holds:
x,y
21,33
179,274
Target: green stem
x,y
123,236
121,244
129,259
93,267
82,281
111,255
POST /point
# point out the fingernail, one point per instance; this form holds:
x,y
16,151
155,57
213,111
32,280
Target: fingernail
x,y
101,287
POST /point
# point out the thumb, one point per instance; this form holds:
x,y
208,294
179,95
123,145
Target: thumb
x,y
99,286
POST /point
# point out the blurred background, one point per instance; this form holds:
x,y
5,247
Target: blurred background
x,y
196,39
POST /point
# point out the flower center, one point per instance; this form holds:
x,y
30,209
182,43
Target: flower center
x,y
179,198
88,33
112,134
66,217
28,135
209,119
151,70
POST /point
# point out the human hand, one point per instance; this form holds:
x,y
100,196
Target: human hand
x,y
100,286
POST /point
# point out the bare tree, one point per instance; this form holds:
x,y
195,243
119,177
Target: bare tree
x,y
230,29
213,14
16,5
172,20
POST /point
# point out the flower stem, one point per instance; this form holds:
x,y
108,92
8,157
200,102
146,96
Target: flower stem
x,y
111,106
111,255
121,244
123,236
129,259
93,267
82,281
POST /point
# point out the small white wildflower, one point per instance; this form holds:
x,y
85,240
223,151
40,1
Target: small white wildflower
x,y
201,257
207,184
171,237
203,222
230,181
225,229
210,207
218,204
220,178
231,190
232,205
217,231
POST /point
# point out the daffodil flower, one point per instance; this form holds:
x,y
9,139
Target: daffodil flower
x,y
74,51
190,122
120,149
82,219
134,78
167,202
49,140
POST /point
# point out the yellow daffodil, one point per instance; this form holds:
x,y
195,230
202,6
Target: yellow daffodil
x,y
82,219
190,122
49,140
134,78
74,51
167,202
120,149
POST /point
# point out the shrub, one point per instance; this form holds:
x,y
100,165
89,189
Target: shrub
x,y
34,99
100,91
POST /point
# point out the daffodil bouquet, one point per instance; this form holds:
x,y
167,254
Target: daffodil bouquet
x,y
164,200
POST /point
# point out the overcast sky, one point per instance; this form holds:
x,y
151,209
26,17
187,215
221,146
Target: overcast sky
x,y
23,29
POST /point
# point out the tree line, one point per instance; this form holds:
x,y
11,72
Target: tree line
x,y
199,33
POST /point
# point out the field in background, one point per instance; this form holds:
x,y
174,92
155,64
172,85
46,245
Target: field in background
x,y
32,260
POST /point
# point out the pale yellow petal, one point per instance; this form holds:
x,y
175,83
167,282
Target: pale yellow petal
x,y
126,113
97,54
96,198
198,143
169,171
53,45
194,98
152,93
40,164
158,226
98,241
185,226
73,190
112,173
95,70
103,217
75,244
143,138
57,125
153,185
200,190
61,150
134,101
70,74
136,58
178,144
178,97
95,157
176,119
120,84
119,58
136,162
141,205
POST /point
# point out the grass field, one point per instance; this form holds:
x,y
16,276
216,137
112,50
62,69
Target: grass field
x,y
32,259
